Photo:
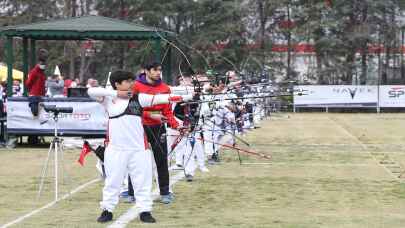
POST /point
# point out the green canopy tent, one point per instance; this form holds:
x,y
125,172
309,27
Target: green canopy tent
x,y
80,28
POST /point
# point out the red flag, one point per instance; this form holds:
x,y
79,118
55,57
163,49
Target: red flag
x,y
85,150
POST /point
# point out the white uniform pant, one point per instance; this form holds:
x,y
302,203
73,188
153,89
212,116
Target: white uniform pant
x,y
246,122
185,153
189,163
229,138
199,151
138,163
209,147
194,155
223,138
256,113
179,150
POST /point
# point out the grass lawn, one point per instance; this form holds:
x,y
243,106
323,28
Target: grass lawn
x,y
326,171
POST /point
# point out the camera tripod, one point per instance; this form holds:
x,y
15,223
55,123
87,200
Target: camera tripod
x,y
55,148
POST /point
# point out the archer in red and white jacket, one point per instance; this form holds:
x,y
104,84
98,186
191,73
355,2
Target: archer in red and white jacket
x,y
154,119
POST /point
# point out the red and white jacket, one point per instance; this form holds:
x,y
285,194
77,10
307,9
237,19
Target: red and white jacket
x,y
142,86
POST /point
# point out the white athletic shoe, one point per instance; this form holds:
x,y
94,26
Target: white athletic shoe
x,y
204,169
131,199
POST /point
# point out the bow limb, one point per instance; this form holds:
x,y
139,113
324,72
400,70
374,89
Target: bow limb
x,y
174,144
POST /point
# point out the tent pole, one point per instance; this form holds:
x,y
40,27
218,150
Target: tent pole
x,y
33,56
10,60
25,63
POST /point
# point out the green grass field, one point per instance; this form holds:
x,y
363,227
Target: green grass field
x,y
327,170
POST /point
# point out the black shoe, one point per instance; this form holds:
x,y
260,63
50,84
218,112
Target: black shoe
x,y
105,216
146,217
214,158
189,178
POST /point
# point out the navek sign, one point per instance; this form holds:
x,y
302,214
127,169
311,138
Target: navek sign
x,y
353,91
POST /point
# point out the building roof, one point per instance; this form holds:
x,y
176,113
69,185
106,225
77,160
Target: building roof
x,y
86,27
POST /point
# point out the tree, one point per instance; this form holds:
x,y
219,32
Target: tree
x,y
234,34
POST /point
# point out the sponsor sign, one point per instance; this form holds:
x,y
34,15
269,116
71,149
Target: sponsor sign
x,y
88,117
392,96
337,96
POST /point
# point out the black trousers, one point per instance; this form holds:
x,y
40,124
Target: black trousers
x,y
33,103
156,135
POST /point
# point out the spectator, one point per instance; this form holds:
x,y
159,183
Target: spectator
x,y
17,91
75,83
67,84
89,82
36,82
3,90
55,86
94,83
78,82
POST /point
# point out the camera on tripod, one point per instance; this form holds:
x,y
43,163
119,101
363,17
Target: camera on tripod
x,y
56,146
54,109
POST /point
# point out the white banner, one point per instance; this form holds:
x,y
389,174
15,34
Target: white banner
x,y
392,96
88,117
336,96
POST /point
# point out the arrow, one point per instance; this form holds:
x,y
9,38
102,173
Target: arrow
x,y
239,149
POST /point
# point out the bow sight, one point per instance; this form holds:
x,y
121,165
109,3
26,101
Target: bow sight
x,y
196,85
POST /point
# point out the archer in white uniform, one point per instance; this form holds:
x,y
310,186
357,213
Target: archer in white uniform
x,y
126,149
189,145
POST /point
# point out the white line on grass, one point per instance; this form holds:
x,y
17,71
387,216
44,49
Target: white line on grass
x,y
341,152
328,145
132,213
309,165
257,163
20,219
365,148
